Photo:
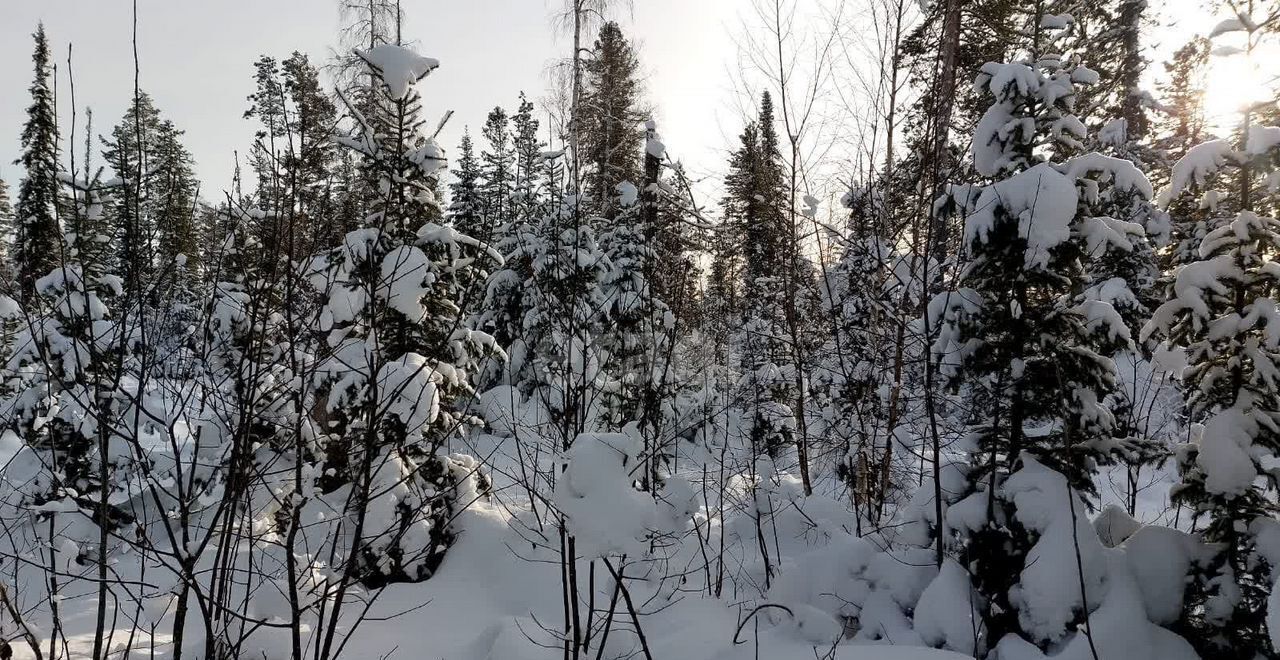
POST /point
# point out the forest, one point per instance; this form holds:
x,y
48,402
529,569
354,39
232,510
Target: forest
x,y
963,349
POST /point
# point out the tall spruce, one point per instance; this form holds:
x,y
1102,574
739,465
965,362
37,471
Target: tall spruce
x,y
755,209
311,155
529,199
1220,309
37,236
7,229
399,368
173,197
465,202
154,217
611,117
497,174
757,205
466,215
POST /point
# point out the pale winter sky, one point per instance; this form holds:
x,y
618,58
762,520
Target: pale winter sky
x,y
197,62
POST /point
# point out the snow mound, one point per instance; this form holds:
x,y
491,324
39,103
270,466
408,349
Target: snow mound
x,y
595,492
946,617
1047,596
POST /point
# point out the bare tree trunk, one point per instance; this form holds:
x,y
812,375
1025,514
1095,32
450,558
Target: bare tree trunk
x,y
944,97
793,322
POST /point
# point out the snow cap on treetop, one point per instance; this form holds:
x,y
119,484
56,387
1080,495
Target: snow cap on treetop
x,y
398,67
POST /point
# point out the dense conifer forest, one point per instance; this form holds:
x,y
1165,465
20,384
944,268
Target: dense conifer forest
x,y
964,349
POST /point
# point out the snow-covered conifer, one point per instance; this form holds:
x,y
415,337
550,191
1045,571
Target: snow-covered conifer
x,y
396,376
1220,308
497,174
69,356
1027,350
36,240
465,205
6,235
611,117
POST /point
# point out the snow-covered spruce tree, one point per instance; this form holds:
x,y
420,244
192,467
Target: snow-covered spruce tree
x,y
1115,109
592,339
400,356
642,326
534,188
68,356
37,235
1182,127
1123,225
497,174
504,296
560,290
755,208
1028,353
6,239
464,191
65,402
1222,311
851,378
558,359
1116,200
1221,308
526,246
529,197
611,119
397,155
466,214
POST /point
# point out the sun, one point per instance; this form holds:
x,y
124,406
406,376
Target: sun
x,y
1238,80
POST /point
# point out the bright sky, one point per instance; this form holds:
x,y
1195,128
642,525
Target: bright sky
x,y
197,57
197,62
